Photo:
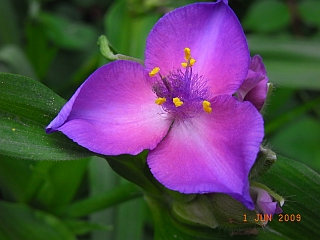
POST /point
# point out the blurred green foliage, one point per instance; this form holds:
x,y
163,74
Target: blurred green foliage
x,y
55,43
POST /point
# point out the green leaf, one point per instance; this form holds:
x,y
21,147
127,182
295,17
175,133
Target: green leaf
x,y
26,108
267,16
9,29
134,29
300,186
17,61
47,186
67,34
18,222
309,11
38,48
299,139
130,216
102,179
41,183
289,62
277,123
82,227
14,176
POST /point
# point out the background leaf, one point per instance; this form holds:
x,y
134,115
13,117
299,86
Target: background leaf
x,y
9,28
26,108
134,27
16,61
299,142
289,62
19,221
65,33
13,178
309,10
300,186
267,16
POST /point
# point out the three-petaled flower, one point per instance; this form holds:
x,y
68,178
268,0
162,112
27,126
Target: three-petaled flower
x,y
180,106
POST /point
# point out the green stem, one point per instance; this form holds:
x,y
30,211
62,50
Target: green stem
x,y
113,197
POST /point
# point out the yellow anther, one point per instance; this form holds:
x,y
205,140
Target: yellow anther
x,y
192,61
184,64
177,102
187,54
189,60
206,106
154,71
160,100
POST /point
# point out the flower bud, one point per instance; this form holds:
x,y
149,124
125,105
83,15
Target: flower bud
x,y
264,202
232,214
195,212
264,161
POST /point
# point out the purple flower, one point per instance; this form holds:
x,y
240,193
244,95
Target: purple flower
x,y
263,202
179,106
254,88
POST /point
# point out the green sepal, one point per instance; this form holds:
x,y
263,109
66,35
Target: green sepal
x,y
136,170
268,97
265,159
273,194
197,212
232,214
108,53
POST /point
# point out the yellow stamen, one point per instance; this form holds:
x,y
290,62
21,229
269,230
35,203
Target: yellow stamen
x,y
192,61
160,100
184,64
154,71
206,106
189,60
187,54
177,102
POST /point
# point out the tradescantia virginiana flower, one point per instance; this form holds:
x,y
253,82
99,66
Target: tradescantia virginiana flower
x,y
180,106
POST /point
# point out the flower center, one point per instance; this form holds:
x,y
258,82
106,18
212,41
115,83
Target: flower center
x,y
181,92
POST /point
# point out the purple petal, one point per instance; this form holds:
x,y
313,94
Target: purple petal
x,y
215,37
254,88
114,112
257,65
263,201
267,207
211,153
